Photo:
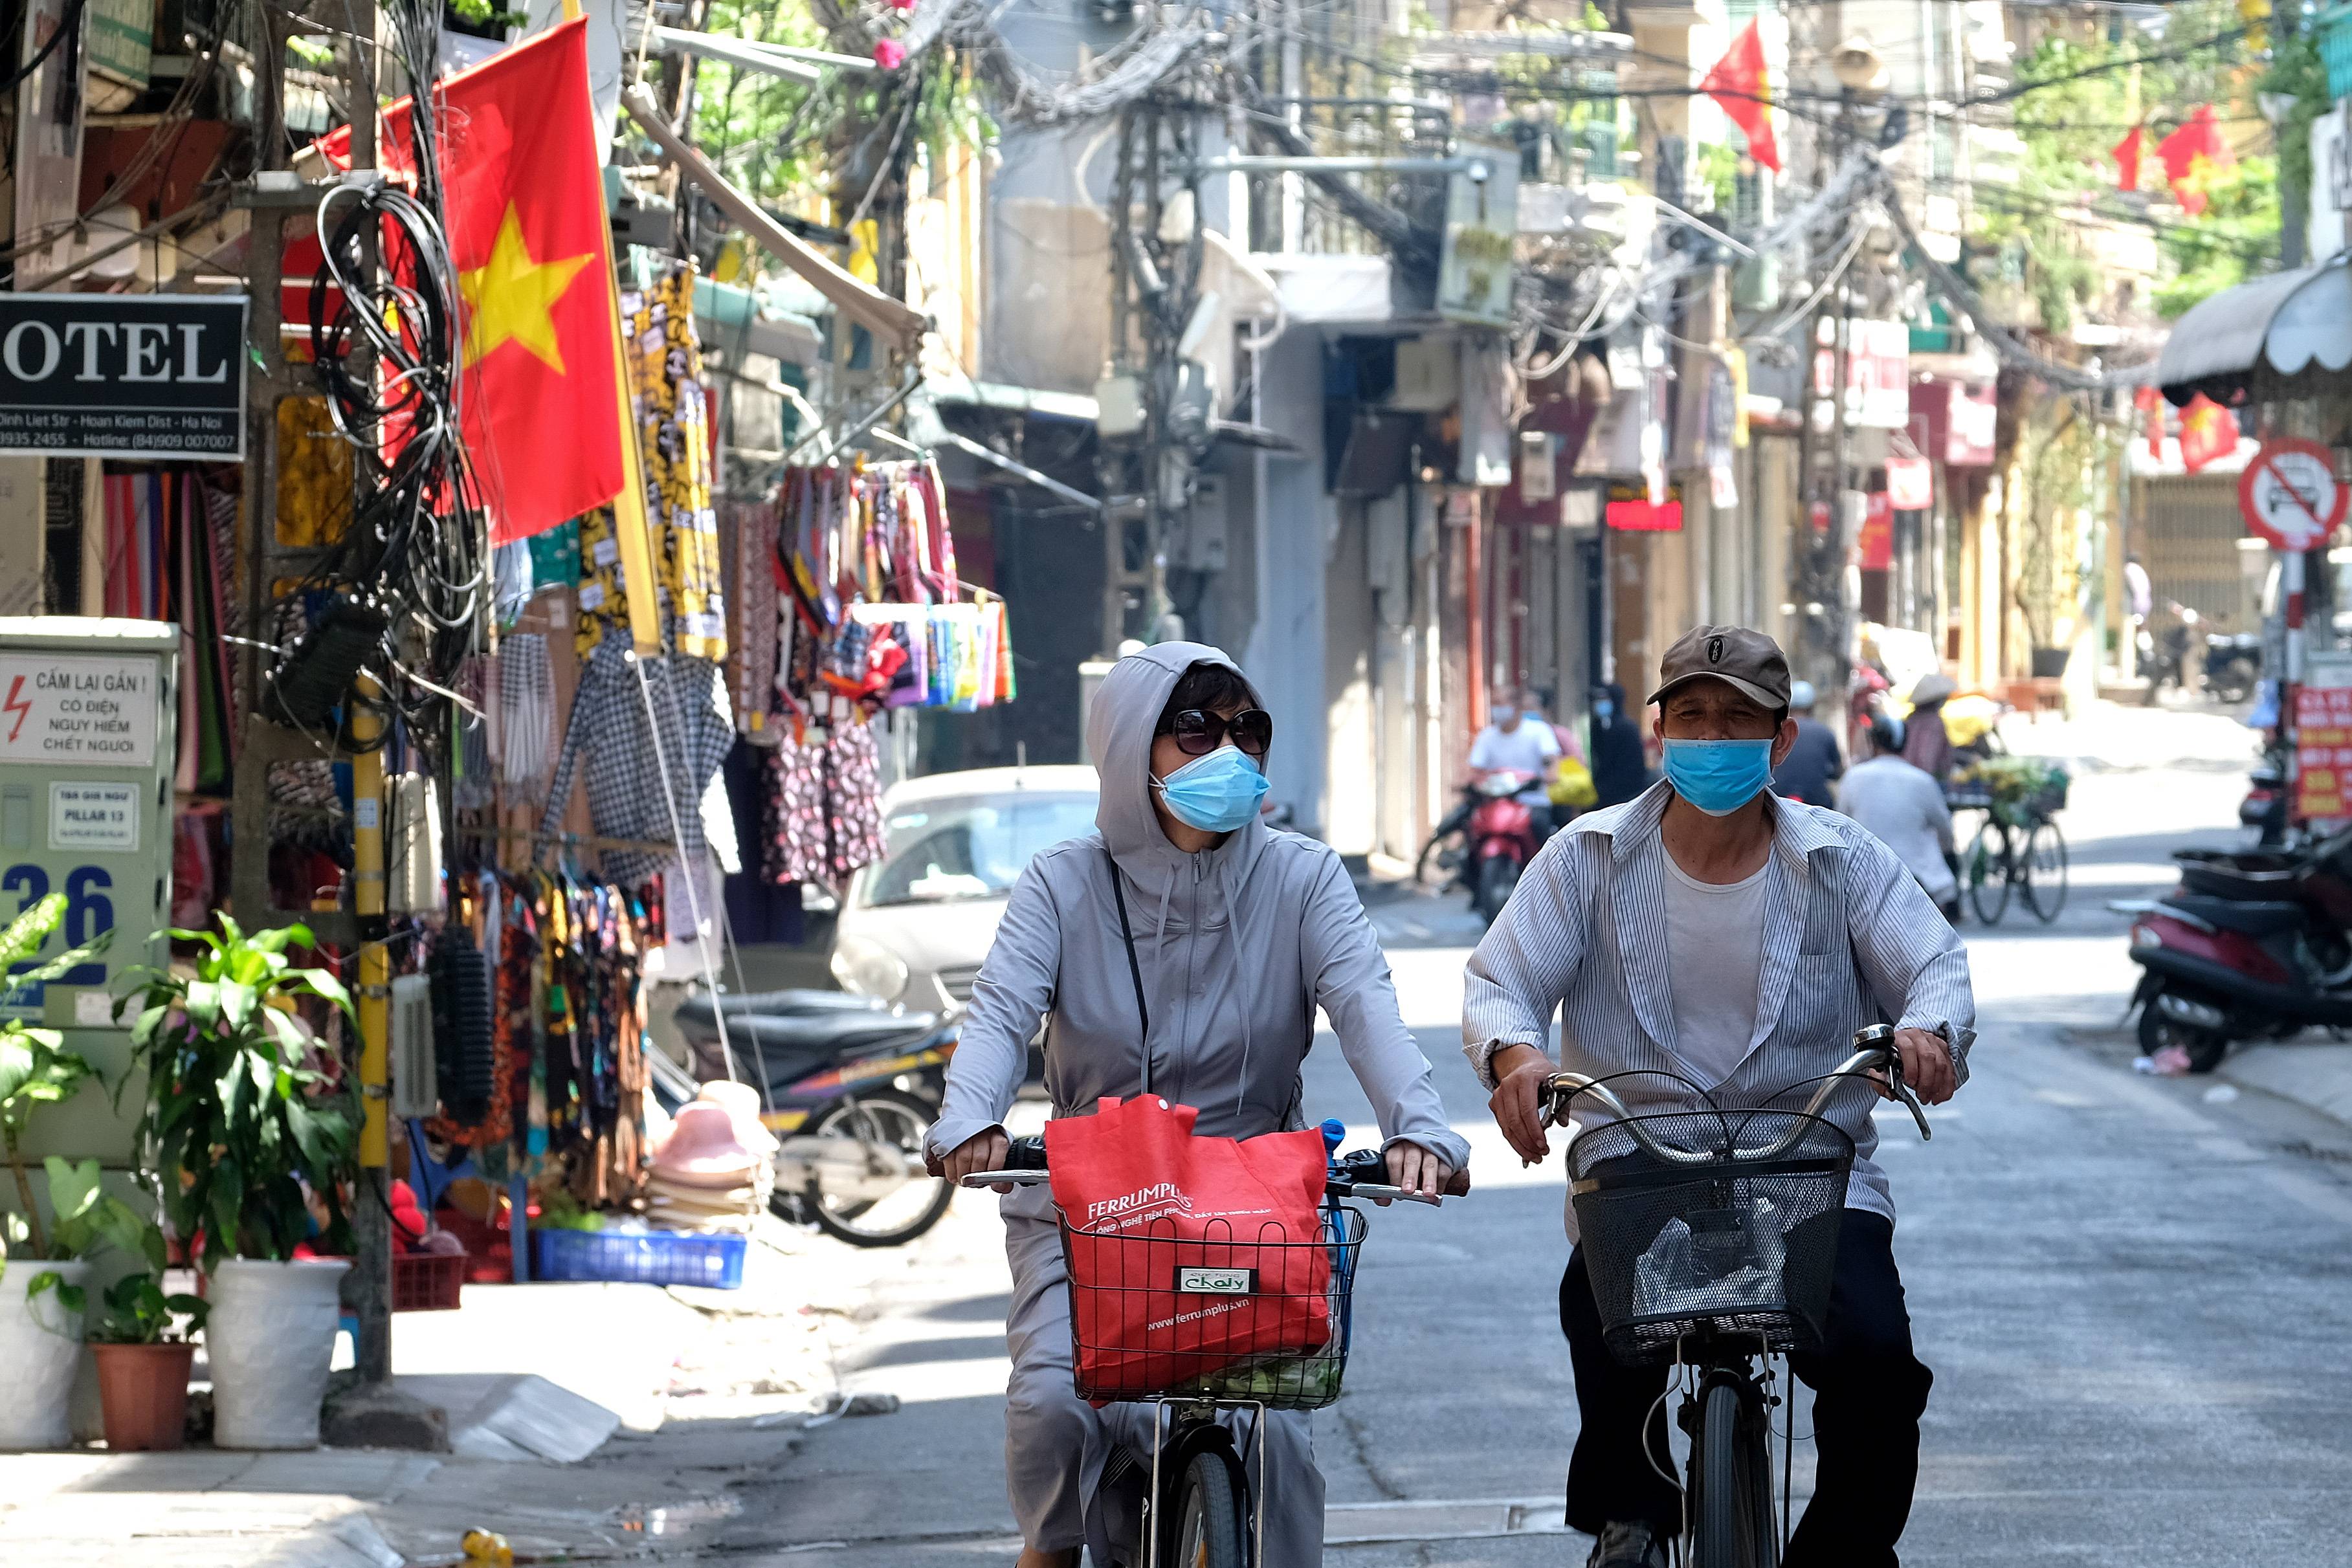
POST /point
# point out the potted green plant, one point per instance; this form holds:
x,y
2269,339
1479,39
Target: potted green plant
x,y
243,1127
144,1351
41,1307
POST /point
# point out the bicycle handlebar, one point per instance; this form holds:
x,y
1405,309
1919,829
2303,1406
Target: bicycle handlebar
x,y
1028,1158
1873,1049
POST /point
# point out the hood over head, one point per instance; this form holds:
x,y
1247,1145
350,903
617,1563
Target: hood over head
x,y
1126,710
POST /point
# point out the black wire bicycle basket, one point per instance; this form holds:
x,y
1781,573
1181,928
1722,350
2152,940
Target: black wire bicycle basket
x,y
1730,1245
1259,1317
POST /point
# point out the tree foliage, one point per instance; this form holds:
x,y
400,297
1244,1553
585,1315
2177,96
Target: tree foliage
x,y
2067,178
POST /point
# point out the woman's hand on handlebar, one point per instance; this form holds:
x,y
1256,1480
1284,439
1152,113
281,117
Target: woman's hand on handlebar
x,y
1927,1067
981,1152
1413,1169
1519,1100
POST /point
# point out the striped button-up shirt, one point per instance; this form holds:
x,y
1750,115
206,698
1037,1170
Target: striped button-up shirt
x,y
1849,940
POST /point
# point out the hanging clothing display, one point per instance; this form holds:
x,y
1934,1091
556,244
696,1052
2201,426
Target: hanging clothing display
x,y
567,1031
827,820
674,424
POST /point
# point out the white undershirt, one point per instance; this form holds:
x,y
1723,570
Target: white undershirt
x,y
1715,944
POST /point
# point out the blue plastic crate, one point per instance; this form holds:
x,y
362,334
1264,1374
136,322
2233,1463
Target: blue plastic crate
x,y
638,1258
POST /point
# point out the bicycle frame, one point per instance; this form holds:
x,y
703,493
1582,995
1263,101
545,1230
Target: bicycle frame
x,y
1715,1357
1175,1415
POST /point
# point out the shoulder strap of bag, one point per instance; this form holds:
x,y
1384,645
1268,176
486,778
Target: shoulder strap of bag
x,y
1134,969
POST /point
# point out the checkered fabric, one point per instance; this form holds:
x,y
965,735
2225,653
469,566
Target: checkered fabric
x,y
625,786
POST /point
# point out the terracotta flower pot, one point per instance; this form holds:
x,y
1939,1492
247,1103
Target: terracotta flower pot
x,y
144,1391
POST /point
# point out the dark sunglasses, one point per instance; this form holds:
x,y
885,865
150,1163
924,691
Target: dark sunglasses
x,y
1199,731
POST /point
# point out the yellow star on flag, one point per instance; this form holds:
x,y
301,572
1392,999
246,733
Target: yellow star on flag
x,y
510,296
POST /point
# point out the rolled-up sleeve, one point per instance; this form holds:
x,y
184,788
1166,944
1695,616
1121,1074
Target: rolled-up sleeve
x,y
1527,960
1008,1000
1353,985
1908,952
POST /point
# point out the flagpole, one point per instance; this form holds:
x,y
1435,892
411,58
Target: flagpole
x,y
632,528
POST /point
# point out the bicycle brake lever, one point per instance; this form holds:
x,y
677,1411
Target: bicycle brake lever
x,y
1377,1190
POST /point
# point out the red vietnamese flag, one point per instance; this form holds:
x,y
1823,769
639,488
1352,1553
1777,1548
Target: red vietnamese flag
x,y
2192,155
2150,405
1740,84
524,202
2127,155
2207,432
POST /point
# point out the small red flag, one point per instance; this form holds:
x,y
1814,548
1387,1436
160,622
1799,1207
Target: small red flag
x,y
2127,155
1742,86
2192,155
2150,402
524,200
2207,432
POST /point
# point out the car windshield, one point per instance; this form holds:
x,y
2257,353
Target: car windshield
x,y
974,847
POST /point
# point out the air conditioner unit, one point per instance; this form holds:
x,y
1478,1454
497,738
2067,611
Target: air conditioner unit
x,y
415,1085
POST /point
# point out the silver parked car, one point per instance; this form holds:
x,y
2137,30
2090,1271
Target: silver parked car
x,y
916,926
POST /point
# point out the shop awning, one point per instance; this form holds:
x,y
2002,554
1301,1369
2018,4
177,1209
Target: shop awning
x,y
2276,337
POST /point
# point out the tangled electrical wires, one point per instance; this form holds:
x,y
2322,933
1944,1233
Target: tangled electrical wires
x,y
409,577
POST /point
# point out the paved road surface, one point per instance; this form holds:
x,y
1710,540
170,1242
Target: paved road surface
x,y
2135,1301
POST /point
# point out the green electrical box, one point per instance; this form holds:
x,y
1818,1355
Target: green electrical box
x,y
89,745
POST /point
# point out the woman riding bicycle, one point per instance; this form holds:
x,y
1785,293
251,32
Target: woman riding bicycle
x,y
1240,933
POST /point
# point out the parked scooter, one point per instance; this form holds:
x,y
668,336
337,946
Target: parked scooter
x,y
2264,806
1502,841
2234,664
852,1085
2250,946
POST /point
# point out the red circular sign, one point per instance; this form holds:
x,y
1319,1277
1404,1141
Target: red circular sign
x,y
2290,493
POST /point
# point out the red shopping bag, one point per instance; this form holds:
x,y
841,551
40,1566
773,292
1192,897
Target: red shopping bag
x,y
1188,1255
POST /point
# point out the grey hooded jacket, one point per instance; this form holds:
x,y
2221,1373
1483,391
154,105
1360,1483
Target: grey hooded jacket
x,y
1237,946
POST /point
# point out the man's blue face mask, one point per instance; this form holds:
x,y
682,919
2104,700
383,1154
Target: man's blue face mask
x,y
1217,793
1718,777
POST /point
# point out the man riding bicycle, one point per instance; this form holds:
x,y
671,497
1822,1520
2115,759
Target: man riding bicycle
x,y
1711,931
1240,933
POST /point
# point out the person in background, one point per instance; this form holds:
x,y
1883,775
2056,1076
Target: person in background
x,y
1618,771
1568,785
1810,770
1518,741
1907,812
1926,746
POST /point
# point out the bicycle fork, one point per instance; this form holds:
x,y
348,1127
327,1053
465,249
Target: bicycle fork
x,y
1161,1495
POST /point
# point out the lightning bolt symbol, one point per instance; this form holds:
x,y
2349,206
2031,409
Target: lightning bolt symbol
x,y
17,705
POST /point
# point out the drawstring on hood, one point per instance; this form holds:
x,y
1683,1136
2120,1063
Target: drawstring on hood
x,y
1120,725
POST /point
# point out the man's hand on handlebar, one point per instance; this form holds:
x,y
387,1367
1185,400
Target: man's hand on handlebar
x,y
1518,1100
1927,1067
981,1152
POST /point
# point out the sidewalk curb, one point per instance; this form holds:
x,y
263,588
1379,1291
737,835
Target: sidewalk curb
x,y
2317,1077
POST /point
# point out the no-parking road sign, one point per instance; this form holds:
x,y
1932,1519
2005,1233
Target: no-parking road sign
x,y
2290,493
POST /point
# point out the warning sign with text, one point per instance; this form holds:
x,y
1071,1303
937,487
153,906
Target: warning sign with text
x,y
75,710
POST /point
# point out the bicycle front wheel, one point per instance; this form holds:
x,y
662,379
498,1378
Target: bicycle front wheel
x,y
1987,869
2045,871
1208,1529
1731,1516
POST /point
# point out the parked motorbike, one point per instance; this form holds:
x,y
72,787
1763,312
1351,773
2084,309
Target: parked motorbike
x,y
2253,945
2234,664
1502,839
852,1084
2264,806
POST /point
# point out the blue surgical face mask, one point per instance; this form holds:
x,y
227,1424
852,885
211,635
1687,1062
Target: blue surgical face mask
x,y
1604,710
1218,793
1718,777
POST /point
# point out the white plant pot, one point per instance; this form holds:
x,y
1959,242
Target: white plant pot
x,y
270,1341
40,1350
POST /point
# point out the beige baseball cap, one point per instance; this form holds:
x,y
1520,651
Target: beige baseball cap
x,y
1748,660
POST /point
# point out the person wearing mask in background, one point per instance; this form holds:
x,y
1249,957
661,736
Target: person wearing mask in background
x,y
1619,770
1568,785
1810,770
1907,812
1926,746
1239,933
1518,743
